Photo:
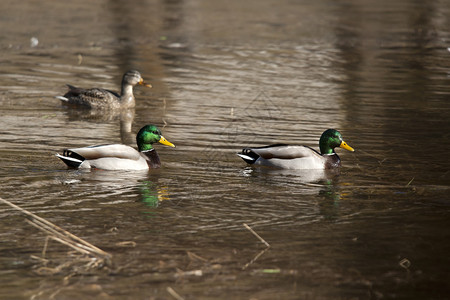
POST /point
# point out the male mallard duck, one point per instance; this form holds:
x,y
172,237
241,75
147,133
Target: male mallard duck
x,y
119,156
99,98
299,157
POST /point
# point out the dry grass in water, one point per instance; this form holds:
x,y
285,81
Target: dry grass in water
x,y
260,253
86,256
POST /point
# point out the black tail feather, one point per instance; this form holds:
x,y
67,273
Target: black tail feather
x,y
71,159
248,155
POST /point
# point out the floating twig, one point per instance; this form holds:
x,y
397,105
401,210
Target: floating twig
x,y
192,256
260,253
405,264
174,294
126,244
181,273
255,258
257,235
410,181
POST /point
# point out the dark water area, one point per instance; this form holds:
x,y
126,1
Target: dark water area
x,y
226,75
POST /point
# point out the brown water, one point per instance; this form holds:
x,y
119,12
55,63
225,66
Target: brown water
x,y
229,74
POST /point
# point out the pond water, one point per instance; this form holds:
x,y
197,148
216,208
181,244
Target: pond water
x,y
226,75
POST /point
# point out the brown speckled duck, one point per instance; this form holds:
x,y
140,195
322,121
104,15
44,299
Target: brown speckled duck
x,y
98,98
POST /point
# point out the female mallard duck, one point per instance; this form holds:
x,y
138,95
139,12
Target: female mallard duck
x,y
299,157
104,99
119,156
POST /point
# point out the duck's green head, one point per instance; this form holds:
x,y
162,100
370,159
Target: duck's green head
x,y
148,135
331,139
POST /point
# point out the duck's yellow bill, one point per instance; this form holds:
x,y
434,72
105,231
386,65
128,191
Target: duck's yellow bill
x,y
142,82
346,147
163,141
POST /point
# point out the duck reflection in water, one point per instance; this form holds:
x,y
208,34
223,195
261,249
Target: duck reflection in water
x,y
300,176
152,194
113,184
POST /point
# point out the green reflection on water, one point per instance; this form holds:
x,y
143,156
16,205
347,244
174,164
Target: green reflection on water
x,y
152,194
330,205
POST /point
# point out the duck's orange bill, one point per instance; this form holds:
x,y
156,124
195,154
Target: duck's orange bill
x,y
142,82
346,147
163,141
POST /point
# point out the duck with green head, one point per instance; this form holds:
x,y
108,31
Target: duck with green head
x,y
119,156
97,98
299,157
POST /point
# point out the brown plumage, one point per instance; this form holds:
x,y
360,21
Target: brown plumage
x,y
97,98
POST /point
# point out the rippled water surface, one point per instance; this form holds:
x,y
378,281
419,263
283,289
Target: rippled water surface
x,y
225,75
